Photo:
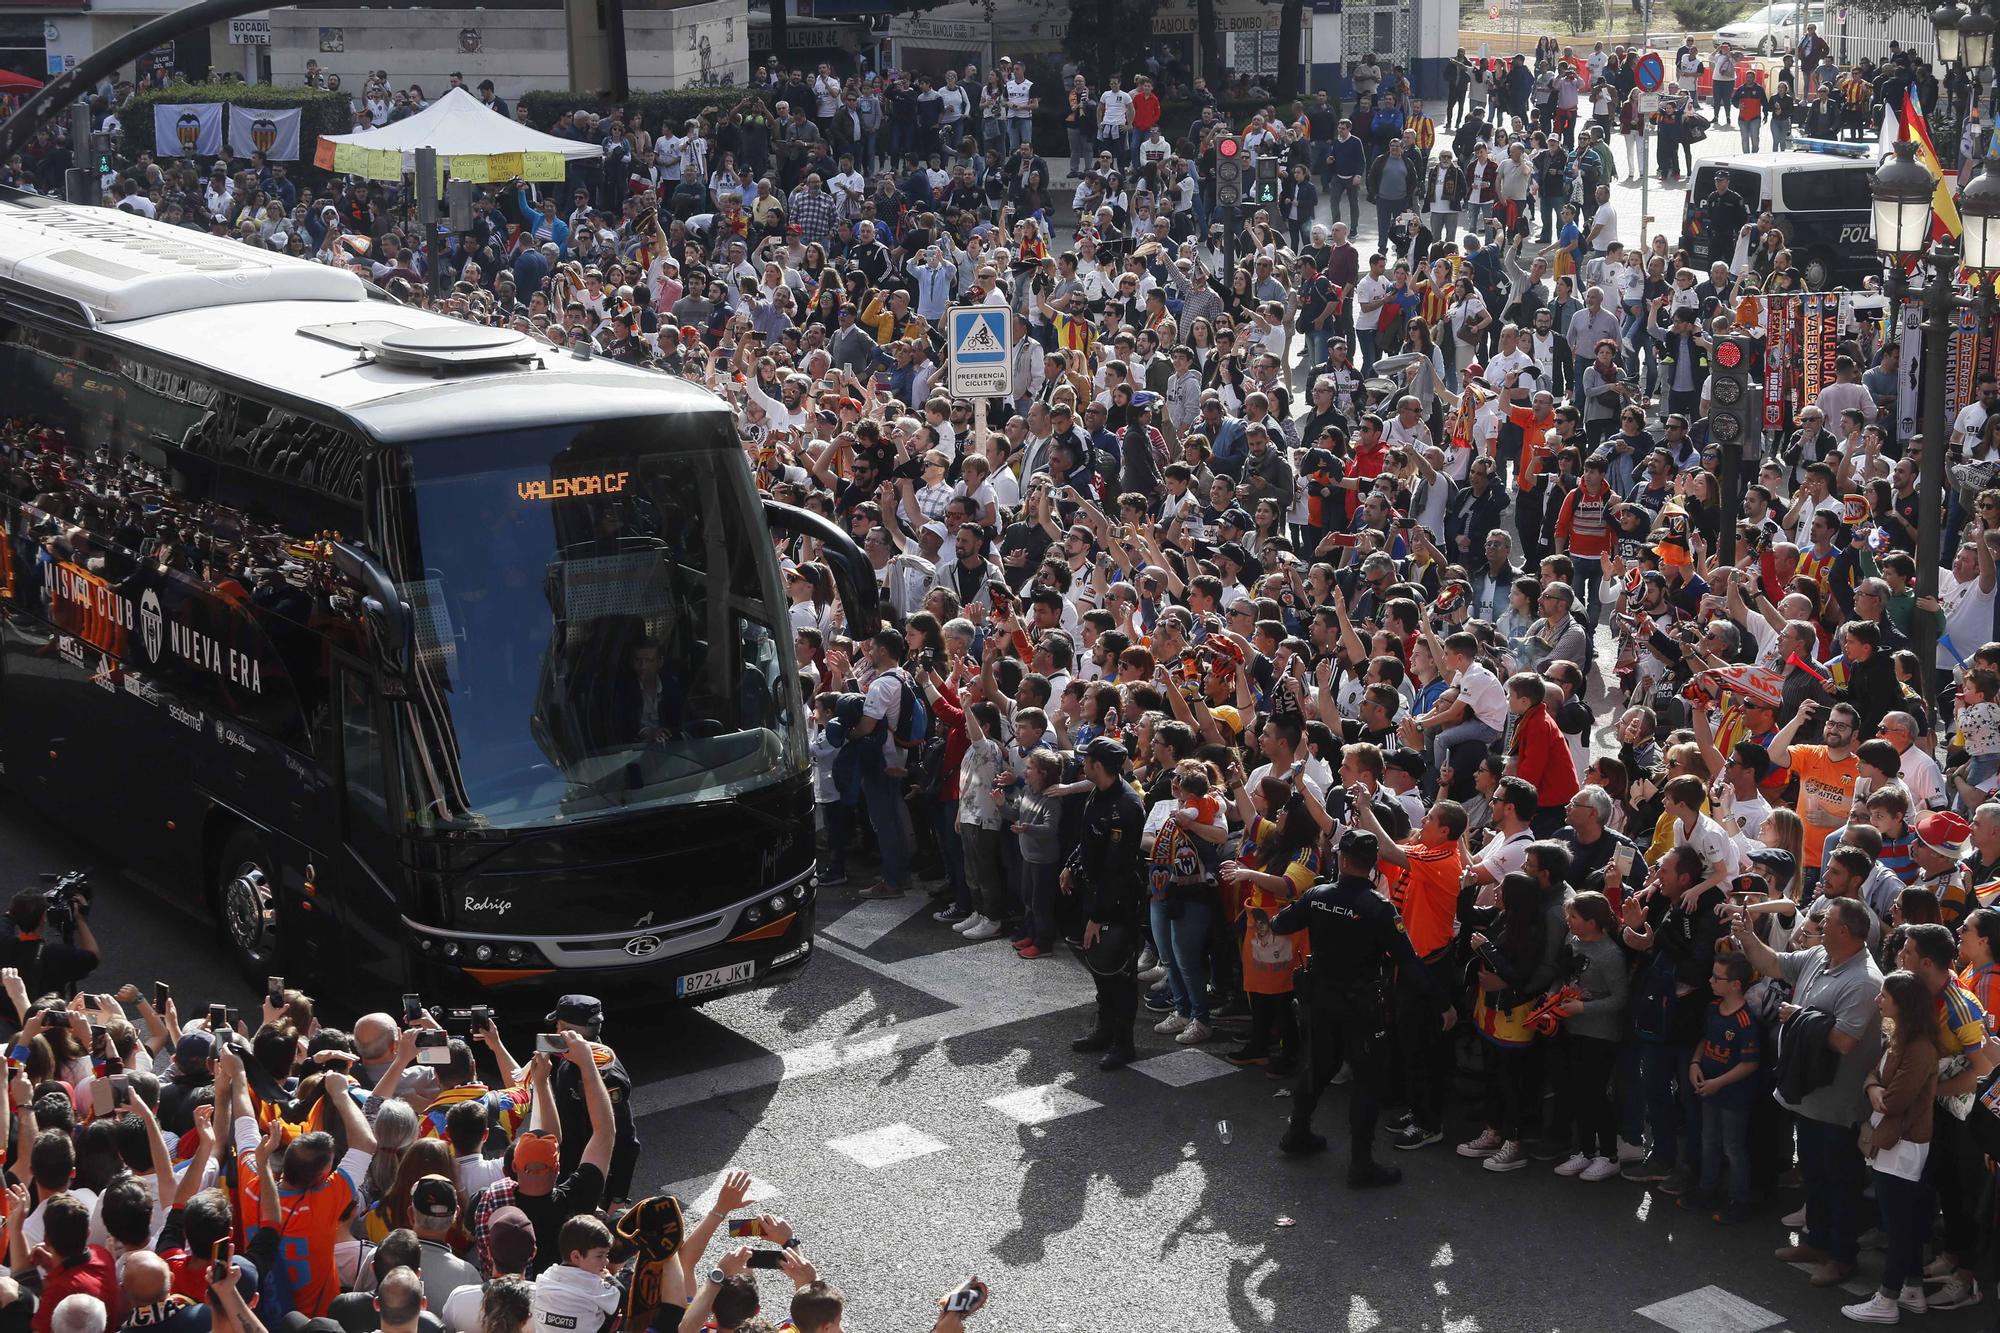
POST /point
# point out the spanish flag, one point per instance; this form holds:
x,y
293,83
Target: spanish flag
x,y
1944,211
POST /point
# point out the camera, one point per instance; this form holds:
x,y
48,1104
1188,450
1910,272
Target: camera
x,y
67,897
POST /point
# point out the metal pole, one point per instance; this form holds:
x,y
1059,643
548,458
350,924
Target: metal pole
x,y
1937,307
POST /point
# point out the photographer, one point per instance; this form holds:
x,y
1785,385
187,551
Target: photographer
x,y
51,964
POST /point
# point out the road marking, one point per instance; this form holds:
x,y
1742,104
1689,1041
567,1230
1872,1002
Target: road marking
x,y
698,1193
1710,1309
1038,1106
1178,1069
986,988
873,918
887,1146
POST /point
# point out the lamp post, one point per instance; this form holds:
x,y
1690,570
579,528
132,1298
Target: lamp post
x,y
1902,190
1964,44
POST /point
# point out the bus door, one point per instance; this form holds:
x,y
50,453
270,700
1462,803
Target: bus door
x,y
370,869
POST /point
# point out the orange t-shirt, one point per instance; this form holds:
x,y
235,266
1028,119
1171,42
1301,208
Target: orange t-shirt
x,y
1826,792
308,1225
1269,959
1534,443
1428,895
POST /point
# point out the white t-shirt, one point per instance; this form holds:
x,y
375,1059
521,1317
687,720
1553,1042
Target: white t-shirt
x,y
1318,777
1114,110
1968,616
884,703
1719,852
1924,780
1603,226
1502,857
1483,695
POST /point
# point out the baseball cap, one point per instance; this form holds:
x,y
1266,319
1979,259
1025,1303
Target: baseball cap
x,y
1410,761
1106,751
193,1051
1359,844
1944,832
1228,717
434,1197
582,1010
510,1239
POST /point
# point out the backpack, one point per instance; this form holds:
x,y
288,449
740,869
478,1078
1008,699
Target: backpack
x,y
913,725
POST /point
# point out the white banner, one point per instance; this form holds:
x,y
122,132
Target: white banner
x,y
187,129
1912,364
275,134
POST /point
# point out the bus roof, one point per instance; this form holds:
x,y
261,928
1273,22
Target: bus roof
x,y
222,307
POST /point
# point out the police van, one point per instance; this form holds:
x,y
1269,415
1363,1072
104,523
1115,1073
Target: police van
x,y
1818,199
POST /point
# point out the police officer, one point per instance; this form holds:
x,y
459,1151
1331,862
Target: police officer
x,y
1105,872
1357,940
584,1015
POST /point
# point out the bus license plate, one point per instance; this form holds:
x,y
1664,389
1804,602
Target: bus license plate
x,y
715,978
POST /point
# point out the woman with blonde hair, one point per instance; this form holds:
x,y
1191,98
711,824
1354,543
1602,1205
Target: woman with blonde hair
x,y
395,1129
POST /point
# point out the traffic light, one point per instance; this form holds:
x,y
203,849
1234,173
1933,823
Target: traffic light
x,y
1229,172
1735,401
102,148
1267,179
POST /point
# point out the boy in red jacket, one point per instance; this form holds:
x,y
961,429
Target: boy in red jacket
x,y
1538,753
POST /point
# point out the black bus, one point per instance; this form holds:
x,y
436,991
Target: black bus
x,y
428,656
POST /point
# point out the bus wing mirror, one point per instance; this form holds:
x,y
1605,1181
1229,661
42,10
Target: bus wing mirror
x,y
388,615
852,574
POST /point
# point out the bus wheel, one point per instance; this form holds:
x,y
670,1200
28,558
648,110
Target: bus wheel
x,y
247,903
1818,270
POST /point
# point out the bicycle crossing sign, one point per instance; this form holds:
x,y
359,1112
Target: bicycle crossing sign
x,y
977,339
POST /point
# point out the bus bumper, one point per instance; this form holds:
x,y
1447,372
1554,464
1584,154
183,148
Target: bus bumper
x,y
648,970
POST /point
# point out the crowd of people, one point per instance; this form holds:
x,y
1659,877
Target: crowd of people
x,y
1346,650
266,1173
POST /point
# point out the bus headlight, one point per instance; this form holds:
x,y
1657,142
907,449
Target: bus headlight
x,y
482,953
777,903
799,891
753,914
515,953
451,948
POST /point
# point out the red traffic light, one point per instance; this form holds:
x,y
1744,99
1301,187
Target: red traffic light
x,y
1728,353
1229,147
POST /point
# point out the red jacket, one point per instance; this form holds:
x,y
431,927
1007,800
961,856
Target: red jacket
x,y
1145,109
950,711
1542,758
94,1275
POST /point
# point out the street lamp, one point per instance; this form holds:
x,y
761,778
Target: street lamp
x,y
1902,189
1946,18
1975,40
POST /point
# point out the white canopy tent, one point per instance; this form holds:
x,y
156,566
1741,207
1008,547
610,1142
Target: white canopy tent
x,y
458,125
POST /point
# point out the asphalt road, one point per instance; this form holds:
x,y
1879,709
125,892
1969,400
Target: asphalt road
x,y
910,1103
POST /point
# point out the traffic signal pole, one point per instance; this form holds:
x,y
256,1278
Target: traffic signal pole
x,y
1736,425
1228,195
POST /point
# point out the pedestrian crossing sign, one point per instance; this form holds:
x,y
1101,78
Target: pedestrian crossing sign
x,y
977,339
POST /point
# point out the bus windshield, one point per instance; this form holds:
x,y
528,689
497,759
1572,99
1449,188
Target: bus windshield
x,y
594,625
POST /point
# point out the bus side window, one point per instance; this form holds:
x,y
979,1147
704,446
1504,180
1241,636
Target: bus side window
x,y
363,771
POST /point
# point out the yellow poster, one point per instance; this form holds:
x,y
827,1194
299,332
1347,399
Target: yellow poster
x,y
469,167
503,166
543,166
385,164
350,159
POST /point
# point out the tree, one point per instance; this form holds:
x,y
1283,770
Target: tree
x,y
1107,36
1208,35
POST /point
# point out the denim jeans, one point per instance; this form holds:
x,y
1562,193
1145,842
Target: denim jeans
x,y
1830,1165
888,816
1386,213
1752,132
1340,191
1725,1132
1589,585
1475,217
1660,1069
1366,337
1183,948
1907,1208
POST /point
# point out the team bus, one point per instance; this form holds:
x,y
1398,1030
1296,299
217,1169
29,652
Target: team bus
x,y
427,655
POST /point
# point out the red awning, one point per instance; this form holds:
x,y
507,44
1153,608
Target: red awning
x,y
10,82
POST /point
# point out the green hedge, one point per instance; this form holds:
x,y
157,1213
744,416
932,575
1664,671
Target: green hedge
x,y
322,112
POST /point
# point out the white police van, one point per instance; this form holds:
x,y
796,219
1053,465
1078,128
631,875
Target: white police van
x,y
1817,198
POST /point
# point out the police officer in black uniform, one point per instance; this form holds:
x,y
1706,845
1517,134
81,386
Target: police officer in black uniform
x,y
1359,949
1106,872
584,1015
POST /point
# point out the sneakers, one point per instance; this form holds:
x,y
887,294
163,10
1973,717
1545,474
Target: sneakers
x,y
1171,1025
1511,1157
1195,1033
1799,1254
1547,1150
1679,1181
1148,960
830,879
1630,1152
985,930
1344,1074
1911,1298
1940,1268
1729,1214
1159,1001
1600,1168
1372,1175
968,923
1153,973
880,889
1573,1165
1030,951
1248,1055
1877,1309
1485,1145
1795,1218
1648,1170
1955,1294
950,916
1874,1238
1414,1136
